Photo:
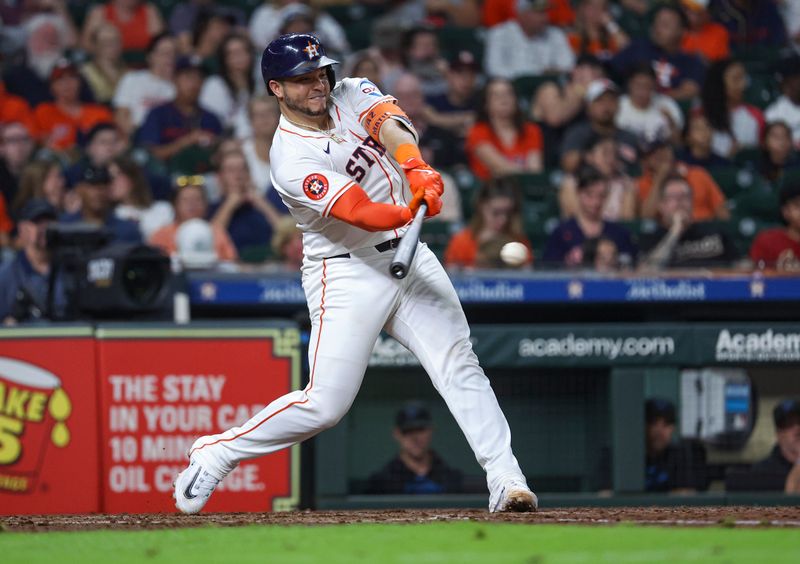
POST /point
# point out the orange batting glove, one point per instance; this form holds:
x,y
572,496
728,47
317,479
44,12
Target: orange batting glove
x,y
431,199
420,175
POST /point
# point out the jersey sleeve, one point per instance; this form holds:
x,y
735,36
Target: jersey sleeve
x,y
310,183
360,95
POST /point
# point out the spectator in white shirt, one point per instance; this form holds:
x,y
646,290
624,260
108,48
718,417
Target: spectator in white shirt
x,y
227,93
263,113
787,107
271,15
643,111
736,125
527,45
140,91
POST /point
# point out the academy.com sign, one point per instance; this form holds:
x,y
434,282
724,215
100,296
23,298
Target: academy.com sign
x,y
610,348
765,346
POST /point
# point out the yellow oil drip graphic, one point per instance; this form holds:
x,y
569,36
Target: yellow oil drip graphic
x,y
60,408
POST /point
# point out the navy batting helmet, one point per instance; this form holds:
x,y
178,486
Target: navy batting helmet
x,y
294,54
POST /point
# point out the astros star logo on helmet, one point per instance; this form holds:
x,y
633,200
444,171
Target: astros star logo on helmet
x,y
311,50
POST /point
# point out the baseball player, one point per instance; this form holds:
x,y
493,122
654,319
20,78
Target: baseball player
x,y
344,159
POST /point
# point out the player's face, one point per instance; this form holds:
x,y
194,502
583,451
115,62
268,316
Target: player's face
x,y
307,94
659,435
789,439
416,442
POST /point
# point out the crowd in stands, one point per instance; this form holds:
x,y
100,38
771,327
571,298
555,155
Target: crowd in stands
x,y
599,134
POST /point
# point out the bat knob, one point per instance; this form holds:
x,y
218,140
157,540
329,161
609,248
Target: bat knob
x,y
398,270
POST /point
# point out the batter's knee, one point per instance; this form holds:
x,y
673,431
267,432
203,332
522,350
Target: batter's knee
x,y
329,417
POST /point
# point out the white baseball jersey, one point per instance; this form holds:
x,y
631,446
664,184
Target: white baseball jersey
x,y
351,299
311,170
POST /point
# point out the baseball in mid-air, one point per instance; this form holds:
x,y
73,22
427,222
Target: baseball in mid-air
x,y
514,254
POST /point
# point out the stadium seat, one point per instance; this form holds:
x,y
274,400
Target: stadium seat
x,y
468,185
536,186
256,253
762,89
734,180
437,234
759,202
748,157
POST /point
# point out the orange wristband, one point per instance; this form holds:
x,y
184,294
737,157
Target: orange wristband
x,y
407,151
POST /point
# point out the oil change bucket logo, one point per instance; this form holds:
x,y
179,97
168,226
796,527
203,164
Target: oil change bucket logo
x,y
766,346
34,409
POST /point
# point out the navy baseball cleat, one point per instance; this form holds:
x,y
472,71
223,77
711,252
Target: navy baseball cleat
x,y
193,487
513,495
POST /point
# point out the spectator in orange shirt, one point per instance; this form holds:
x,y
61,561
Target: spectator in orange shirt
x,y
14,108
659,164
499,11
596,33
497,218
6,224
59,122
704,37
138,22
502,142
190,202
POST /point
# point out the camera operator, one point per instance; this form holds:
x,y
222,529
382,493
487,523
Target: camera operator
x,y
24,280
93,188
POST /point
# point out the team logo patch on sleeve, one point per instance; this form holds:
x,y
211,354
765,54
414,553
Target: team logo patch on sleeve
x,y
315,186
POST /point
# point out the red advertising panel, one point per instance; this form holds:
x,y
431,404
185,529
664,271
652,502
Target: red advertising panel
x,y
162,388
49,460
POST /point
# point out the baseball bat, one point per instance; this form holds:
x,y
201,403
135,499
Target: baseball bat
x,y
408,246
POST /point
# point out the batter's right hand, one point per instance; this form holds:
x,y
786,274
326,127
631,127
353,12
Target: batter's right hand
x,y
431,198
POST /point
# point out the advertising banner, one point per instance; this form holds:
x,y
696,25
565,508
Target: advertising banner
x,y
49,460
162,388
619,344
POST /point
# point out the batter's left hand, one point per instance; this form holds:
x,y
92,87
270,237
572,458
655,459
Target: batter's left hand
x,y
421,176
431,199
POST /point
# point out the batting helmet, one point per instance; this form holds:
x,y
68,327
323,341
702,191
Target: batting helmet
x,y
294,54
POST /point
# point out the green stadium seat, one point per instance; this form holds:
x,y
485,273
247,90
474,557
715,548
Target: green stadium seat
x,y
536,186
734,180
437,234
762,90
635,25
256,253
468,185
760,202
748,157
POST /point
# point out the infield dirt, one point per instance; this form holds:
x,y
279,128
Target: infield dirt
x,y
675,516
